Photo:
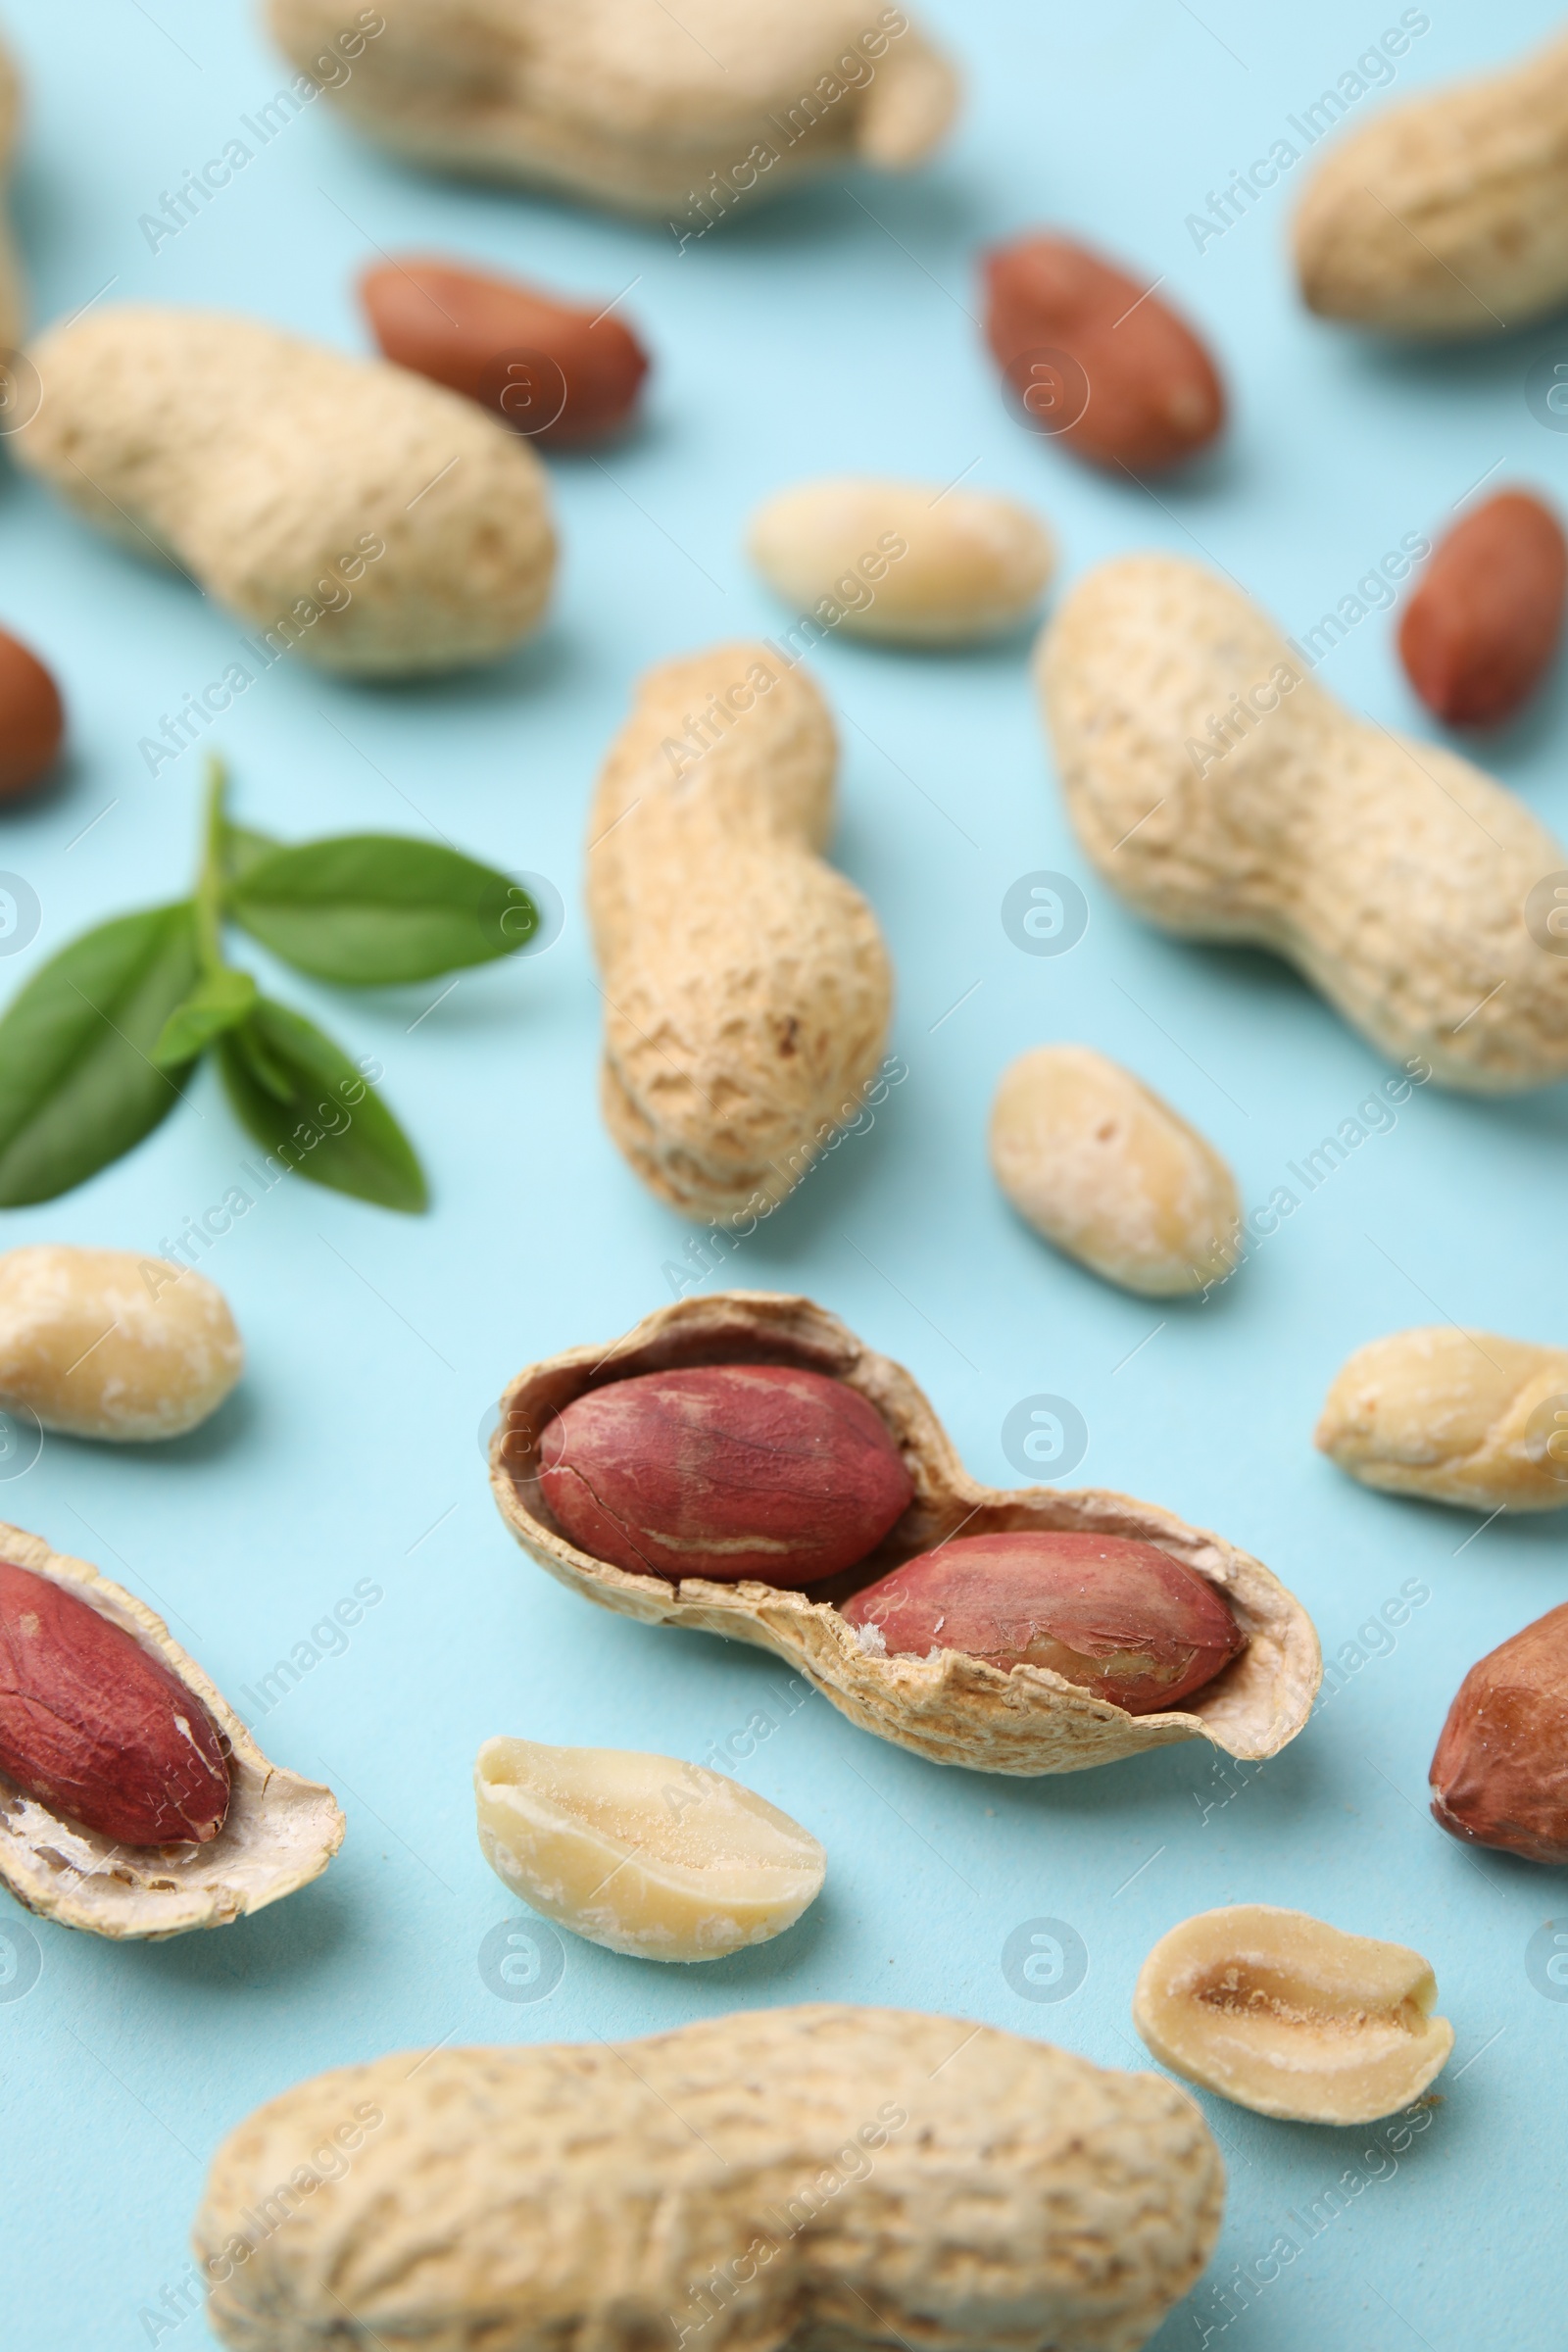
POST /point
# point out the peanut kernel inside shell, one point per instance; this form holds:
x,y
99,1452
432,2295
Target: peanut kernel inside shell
x,y
96,1728
1118,1617
724,1471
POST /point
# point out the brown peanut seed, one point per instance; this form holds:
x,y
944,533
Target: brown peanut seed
x,y
557,372
1499,1776
724,1471
1480,632
1109,1614
32,718
1096,358
93,1726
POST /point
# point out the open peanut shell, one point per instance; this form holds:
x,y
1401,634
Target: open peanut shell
x,y
280,1830
952,1708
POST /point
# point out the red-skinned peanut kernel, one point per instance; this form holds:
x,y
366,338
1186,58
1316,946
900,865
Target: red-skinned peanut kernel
x,y
96,1728
724,1471
1118,1617
1480,632
1096,360
1500,1773
554,371
32,718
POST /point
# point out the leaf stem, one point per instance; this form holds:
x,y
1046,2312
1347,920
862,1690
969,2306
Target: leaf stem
x,y
210,879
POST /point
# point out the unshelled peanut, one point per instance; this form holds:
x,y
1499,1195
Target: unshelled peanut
x,y
1222,791
824,2176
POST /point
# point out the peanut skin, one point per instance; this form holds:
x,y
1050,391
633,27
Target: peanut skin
x,y
1110,1615
555,371
1499,1776
846,2177
1153,394
95,1727
1480,632
726,1471
32,718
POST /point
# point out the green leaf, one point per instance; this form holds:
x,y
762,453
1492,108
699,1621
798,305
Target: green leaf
x,y
219,1001
78,1085
376,908
243,847
331,1125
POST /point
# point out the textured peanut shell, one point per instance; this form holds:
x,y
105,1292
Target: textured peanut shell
x,y
1107,1171
1283,2014
1449,215
951,1708
521,2200
255,463
747,990
970,563
1446,1414
280,1830
106,1343
625,102
1391,874
13,292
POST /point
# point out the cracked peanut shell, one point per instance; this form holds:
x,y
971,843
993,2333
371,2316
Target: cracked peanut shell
x,y
951,1708
351,512
278,1834
675,114
1449,215
747,988
1222,792
817,2176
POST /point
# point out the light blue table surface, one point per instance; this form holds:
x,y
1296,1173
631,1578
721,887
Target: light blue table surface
x,y
834,331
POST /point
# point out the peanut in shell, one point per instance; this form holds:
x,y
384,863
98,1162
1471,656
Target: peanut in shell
x,y
949,1707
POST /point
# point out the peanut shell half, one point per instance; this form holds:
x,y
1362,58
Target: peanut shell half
x,y
280,1830
951,1708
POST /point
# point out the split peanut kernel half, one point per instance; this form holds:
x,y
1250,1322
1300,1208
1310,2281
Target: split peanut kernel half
x,y
642,1853
1454,1416
1285,2015
1102,1167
